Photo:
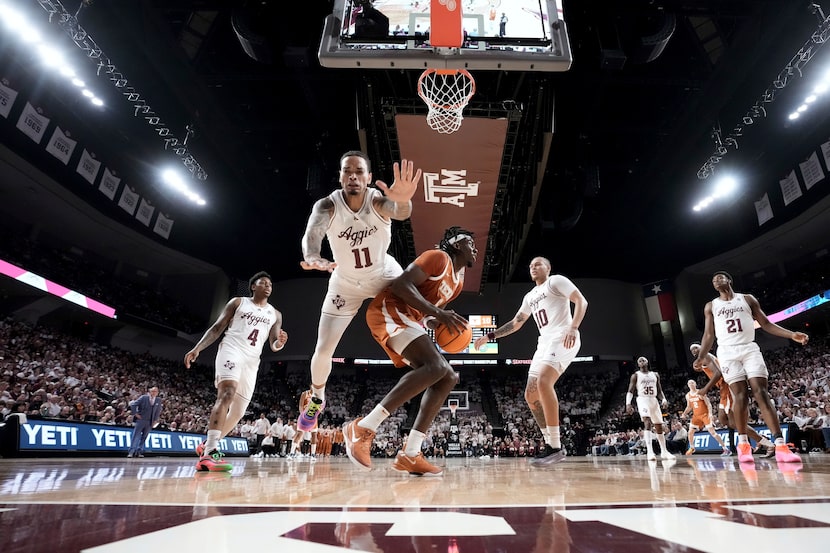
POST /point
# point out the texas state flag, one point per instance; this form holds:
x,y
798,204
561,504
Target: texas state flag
x,y
659,299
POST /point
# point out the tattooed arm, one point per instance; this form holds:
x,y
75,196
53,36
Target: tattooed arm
x,y
508,328
318,223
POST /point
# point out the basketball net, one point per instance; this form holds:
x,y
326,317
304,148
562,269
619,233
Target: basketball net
x,y
453,409
446,92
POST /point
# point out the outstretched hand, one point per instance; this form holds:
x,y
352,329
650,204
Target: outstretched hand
x,y
480,341
405,183
319,265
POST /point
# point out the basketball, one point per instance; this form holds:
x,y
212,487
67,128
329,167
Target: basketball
x,y
451,342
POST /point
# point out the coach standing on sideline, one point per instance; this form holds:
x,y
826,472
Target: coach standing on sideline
x,y
146,411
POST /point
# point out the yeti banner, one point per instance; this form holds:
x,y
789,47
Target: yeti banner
x,y
460,176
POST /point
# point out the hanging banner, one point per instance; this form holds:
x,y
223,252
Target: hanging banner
x,y
145,212
163,226
7,98
129,200
811,171
32,124
460,177
88,167
109,184
825,152
763,209
61,146
790,188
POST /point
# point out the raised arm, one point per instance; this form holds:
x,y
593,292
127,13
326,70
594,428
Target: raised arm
x,y
509,327
397,200
759,315
315,230
214,332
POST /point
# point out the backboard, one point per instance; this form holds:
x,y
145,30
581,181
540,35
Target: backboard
x,y
508,35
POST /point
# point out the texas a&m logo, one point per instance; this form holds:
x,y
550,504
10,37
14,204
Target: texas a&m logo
x,y
450,187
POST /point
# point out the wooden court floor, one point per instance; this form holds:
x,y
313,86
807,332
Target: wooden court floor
x,y
586,504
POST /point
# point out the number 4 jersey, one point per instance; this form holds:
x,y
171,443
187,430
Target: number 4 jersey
x,y
550,305
734,324
249,328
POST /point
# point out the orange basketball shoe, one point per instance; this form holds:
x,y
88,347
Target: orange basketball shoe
x,y
784,455
417,465
745,453
359,444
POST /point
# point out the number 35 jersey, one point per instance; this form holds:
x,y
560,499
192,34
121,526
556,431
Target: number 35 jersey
x,y
249,328
550,306
358,239
734,324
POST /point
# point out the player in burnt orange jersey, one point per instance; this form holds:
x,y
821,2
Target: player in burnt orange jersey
x,y
725,403
396,318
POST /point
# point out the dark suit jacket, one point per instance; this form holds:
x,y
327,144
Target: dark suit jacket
x,y
148,412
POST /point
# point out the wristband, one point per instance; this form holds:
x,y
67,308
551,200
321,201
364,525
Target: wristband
x,y
491,335
278,348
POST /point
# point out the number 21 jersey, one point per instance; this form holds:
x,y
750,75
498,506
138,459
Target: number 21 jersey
x,y
734,324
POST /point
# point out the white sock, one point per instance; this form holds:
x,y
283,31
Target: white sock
x,y
212,441
661,439
313,449
765,441
647,440
743,439
553,432
779,441
413,443
319,392
373,419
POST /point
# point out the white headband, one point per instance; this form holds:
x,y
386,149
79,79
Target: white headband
x,y
458,238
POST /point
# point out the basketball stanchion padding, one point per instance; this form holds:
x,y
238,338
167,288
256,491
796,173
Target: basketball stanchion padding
x,y
446,93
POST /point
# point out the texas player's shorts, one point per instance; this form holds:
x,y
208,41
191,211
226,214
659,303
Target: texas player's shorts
x,y
554,353
345,295
393,326
742,362
231,364
649,407
701,421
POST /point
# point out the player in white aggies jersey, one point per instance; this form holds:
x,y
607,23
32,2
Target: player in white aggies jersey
x,y
649,391
731,318
248,323
549,303
357,220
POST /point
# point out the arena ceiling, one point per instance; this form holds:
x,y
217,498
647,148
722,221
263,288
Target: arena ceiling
x,y
629,137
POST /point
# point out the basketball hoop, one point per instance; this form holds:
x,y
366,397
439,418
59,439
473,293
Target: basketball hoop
x,y
453,408
446,93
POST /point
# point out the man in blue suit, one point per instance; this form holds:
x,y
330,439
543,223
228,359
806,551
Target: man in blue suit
x,y
146,411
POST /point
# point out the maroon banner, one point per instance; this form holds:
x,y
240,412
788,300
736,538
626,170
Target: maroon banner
x,y
460,176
